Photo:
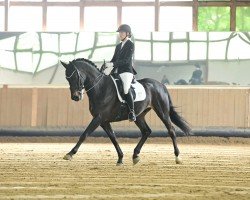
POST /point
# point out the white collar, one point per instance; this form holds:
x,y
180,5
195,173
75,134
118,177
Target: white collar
x,y
123,42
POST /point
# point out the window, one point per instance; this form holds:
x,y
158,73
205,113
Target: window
x,y
238,48
8,62
63,0
198,51
85,41
217,50
139,18
27,0
198,45
198,36
100,19
68,42
1,18
214,0
214,19
146,15
138,0
179,51
24,18
243,19
161,52
161,36
142,51
24,61
175,0
63,19
176,18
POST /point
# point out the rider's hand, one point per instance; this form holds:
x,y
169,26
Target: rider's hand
x,y
113,71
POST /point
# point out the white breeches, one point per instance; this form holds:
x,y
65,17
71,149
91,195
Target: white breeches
x,y
127,78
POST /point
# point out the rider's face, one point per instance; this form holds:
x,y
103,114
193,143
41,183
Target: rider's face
x,y
122,35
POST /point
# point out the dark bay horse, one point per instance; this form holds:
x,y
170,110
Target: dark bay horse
x,y
105,107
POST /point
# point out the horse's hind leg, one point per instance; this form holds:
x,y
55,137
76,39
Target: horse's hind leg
x,y
163,114
171,131
146,131
108,129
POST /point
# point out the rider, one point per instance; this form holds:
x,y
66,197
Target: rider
x,y
122,61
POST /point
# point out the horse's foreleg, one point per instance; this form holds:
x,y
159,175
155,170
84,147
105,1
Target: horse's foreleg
x,y
146,131
91,127
108,129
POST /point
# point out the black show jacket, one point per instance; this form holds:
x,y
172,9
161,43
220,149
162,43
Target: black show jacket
x,y
123,57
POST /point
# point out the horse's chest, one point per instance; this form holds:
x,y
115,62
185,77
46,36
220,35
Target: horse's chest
x,y
96,109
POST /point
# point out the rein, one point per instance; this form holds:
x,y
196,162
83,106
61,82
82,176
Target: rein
x,y
95,83
79,75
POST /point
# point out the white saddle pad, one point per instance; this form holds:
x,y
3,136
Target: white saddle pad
x,y
139,91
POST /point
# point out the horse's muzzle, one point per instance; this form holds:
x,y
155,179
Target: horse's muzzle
x,y
77,96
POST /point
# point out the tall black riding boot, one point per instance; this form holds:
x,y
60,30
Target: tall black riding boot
x,y
130,102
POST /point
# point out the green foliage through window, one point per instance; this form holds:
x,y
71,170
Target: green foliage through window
x,y
214,19
243,19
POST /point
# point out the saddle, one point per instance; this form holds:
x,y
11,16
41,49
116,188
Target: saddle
x,y
138,91
119,84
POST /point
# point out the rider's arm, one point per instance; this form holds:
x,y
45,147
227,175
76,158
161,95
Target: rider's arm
x,y
114,56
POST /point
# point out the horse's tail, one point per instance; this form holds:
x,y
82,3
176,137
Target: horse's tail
x,y
179,120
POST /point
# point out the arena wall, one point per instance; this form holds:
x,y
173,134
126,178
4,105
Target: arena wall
x,y
203,107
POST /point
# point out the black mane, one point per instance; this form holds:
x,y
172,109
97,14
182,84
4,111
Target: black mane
x,y
87,61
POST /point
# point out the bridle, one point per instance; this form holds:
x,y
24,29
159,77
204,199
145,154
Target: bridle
x,y
80,84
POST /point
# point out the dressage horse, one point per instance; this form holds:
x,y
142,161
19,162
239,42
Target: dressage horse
x,y
104,106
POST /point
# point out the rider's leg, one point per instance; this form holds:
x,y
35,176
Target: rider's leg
x,y
127,78
130,102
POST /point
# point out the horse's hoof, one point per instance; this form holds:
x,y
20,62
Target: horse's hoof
x,y
178,160
67,157
136,160
119,164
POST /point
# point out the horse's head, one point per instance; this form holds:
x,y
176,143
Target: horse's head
x,y
76,80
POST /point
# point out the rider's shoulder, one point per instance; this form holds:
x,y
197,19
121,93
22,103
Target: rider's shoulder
x,y
130,42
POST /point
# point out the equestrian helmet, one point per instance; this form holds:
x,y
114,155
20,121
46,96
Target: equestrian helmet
x,y
124,28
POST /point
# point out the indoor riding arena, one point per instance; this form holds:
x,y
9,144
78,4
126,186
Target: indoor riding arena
x,y
192,59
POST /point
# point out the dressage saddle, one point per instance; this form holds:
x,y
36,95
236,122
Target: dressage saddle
x,y
120,85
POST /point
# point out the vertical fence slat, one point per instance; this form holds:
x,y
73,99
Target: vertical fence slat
x,y
26,107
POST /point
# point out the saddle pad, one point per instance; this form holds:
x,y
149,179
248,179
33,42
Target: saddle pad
x,y
138,88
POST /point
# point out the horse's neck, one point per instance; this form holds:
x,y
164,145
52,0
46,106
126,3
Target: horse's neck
x,y
92,76
90,71
102,93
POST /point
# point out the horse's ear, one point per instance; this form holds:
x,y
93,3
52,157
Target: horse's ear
x,y
64,64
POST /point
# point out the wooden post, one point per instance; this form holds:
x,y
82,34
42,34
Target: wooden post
x,y
195,15
44,23
6,15
157,14
232,15
34,107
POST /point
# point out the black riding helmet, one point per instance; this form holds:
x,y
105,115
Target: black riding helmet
x,y
125,28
